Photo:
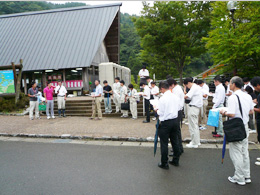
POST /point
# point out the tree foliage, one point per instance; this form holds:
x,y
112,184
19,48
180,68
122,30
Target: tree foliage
x,y
171,34
236,46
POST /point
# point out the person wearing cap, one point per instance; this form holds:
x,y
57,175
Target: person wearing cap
x,y
34,104
116,96
123,95
132,98
48,95
61,92
98,99
195,104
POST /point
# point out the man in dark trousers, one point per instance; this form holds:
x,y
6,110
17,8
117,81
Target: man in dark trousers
x,y
146,95
169,127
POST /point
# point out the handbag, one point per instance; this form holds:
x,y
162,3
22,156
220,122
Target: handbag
x,y
125,106
213,118
42,107
234,128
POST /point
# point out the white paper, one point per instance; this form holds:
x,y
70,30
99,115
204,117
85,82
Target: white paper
x,y
219,109
154,102
140,93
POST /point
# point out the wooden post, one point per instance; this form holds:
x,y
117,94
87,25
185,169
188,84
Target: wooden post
x,y
64,77
43,79
25,84
18,84
14,70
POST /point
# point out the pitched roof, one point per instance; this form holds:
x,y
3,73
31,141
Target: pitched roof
x,y
55,39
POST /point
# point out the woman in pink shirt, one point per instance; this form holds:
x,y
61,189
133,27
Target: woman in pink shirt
x,y
48,94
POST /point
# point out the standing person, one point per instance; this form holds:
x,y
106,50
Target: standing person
x,y
123,95
256,84
203,111
143,73
168,115
98,99
228,91
48,95
246,81
251,123
34,104
61,92
155,93
116,96
218,100
149,82
194,109
177,90
107,92
146,95
238,151
132,98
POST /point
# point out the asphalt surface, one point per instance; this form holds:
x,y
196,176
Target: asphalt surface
x,y
60,168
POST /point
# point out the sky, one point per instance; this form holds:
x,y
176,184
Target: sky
x,y
130,7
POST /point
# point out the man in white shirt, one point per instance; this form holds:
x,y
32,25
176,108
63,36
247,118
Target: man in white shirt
x,y
203,111
123,94
143,73
228,91
98,99
116,96
155,93
218,100
146,95
177,90
168,115
61,92
246,81
238,151
194,109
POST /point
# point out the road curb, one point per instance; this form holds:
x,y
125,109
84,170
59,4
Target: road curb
x,y
104,138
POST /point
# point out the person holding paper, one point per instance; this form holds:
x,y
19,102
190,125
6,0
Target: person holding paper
x,y
155,93
116,96
218,100
132,98
107,93
194,109
123,94
168,115
98,99
177,90
34,104
61,92
146,95
203,111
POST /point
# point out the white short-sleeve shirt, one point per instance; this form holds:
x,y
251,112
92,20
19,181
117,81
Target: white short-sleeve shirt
x,y
195,94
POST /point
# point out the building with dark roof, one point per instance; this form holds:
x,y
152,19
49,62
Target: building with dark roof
x,y
66,44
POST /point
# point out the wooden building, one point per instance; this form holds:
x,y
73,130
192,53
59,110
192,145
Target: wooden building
x,y
61,44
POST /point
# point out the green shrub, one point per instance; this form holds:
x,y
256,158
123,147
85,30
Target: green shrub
x,y
7,104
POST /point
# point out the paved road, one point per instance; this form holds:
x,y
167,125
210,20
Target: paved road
x,y
58,168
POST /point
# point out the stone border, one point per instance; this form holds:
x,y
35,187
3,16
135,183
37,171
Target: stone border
x,y
104,138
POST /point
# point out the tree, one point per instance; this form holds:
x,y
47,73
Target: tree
x,y
236,46
171,34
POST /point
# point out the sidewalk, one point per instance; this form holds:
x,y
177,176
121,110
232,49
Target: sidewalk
x,y
82,127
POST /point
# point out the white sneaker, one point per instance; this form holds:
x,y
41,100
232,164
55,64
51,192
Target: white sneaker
x,y
232,180
154,118
186,123
248,180
48,117
191,146
203,128
258,159
257,163
252,131
199,144
53,117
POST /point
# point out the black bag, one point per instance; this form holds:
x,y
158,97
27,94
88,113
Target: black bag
x,y
235,129
125,106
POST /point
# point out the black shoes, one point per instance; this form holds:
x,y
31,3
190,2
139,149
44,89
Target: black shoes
x,y
214,132
146,121
174,163
163,166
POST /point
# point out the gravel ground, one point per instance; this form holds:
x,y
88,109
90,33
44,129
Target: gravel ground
x,y
82,126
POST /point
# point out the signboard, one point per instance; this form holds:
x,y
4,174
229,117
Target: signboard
x,y
212,71
59,77
49,77
7,82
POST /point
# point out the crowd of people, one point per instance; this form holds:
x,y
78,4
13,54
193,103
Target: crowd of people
x,y
175,105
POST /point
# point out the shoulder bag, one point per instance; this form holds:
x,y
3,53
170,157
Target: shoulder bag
x,y
234,128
